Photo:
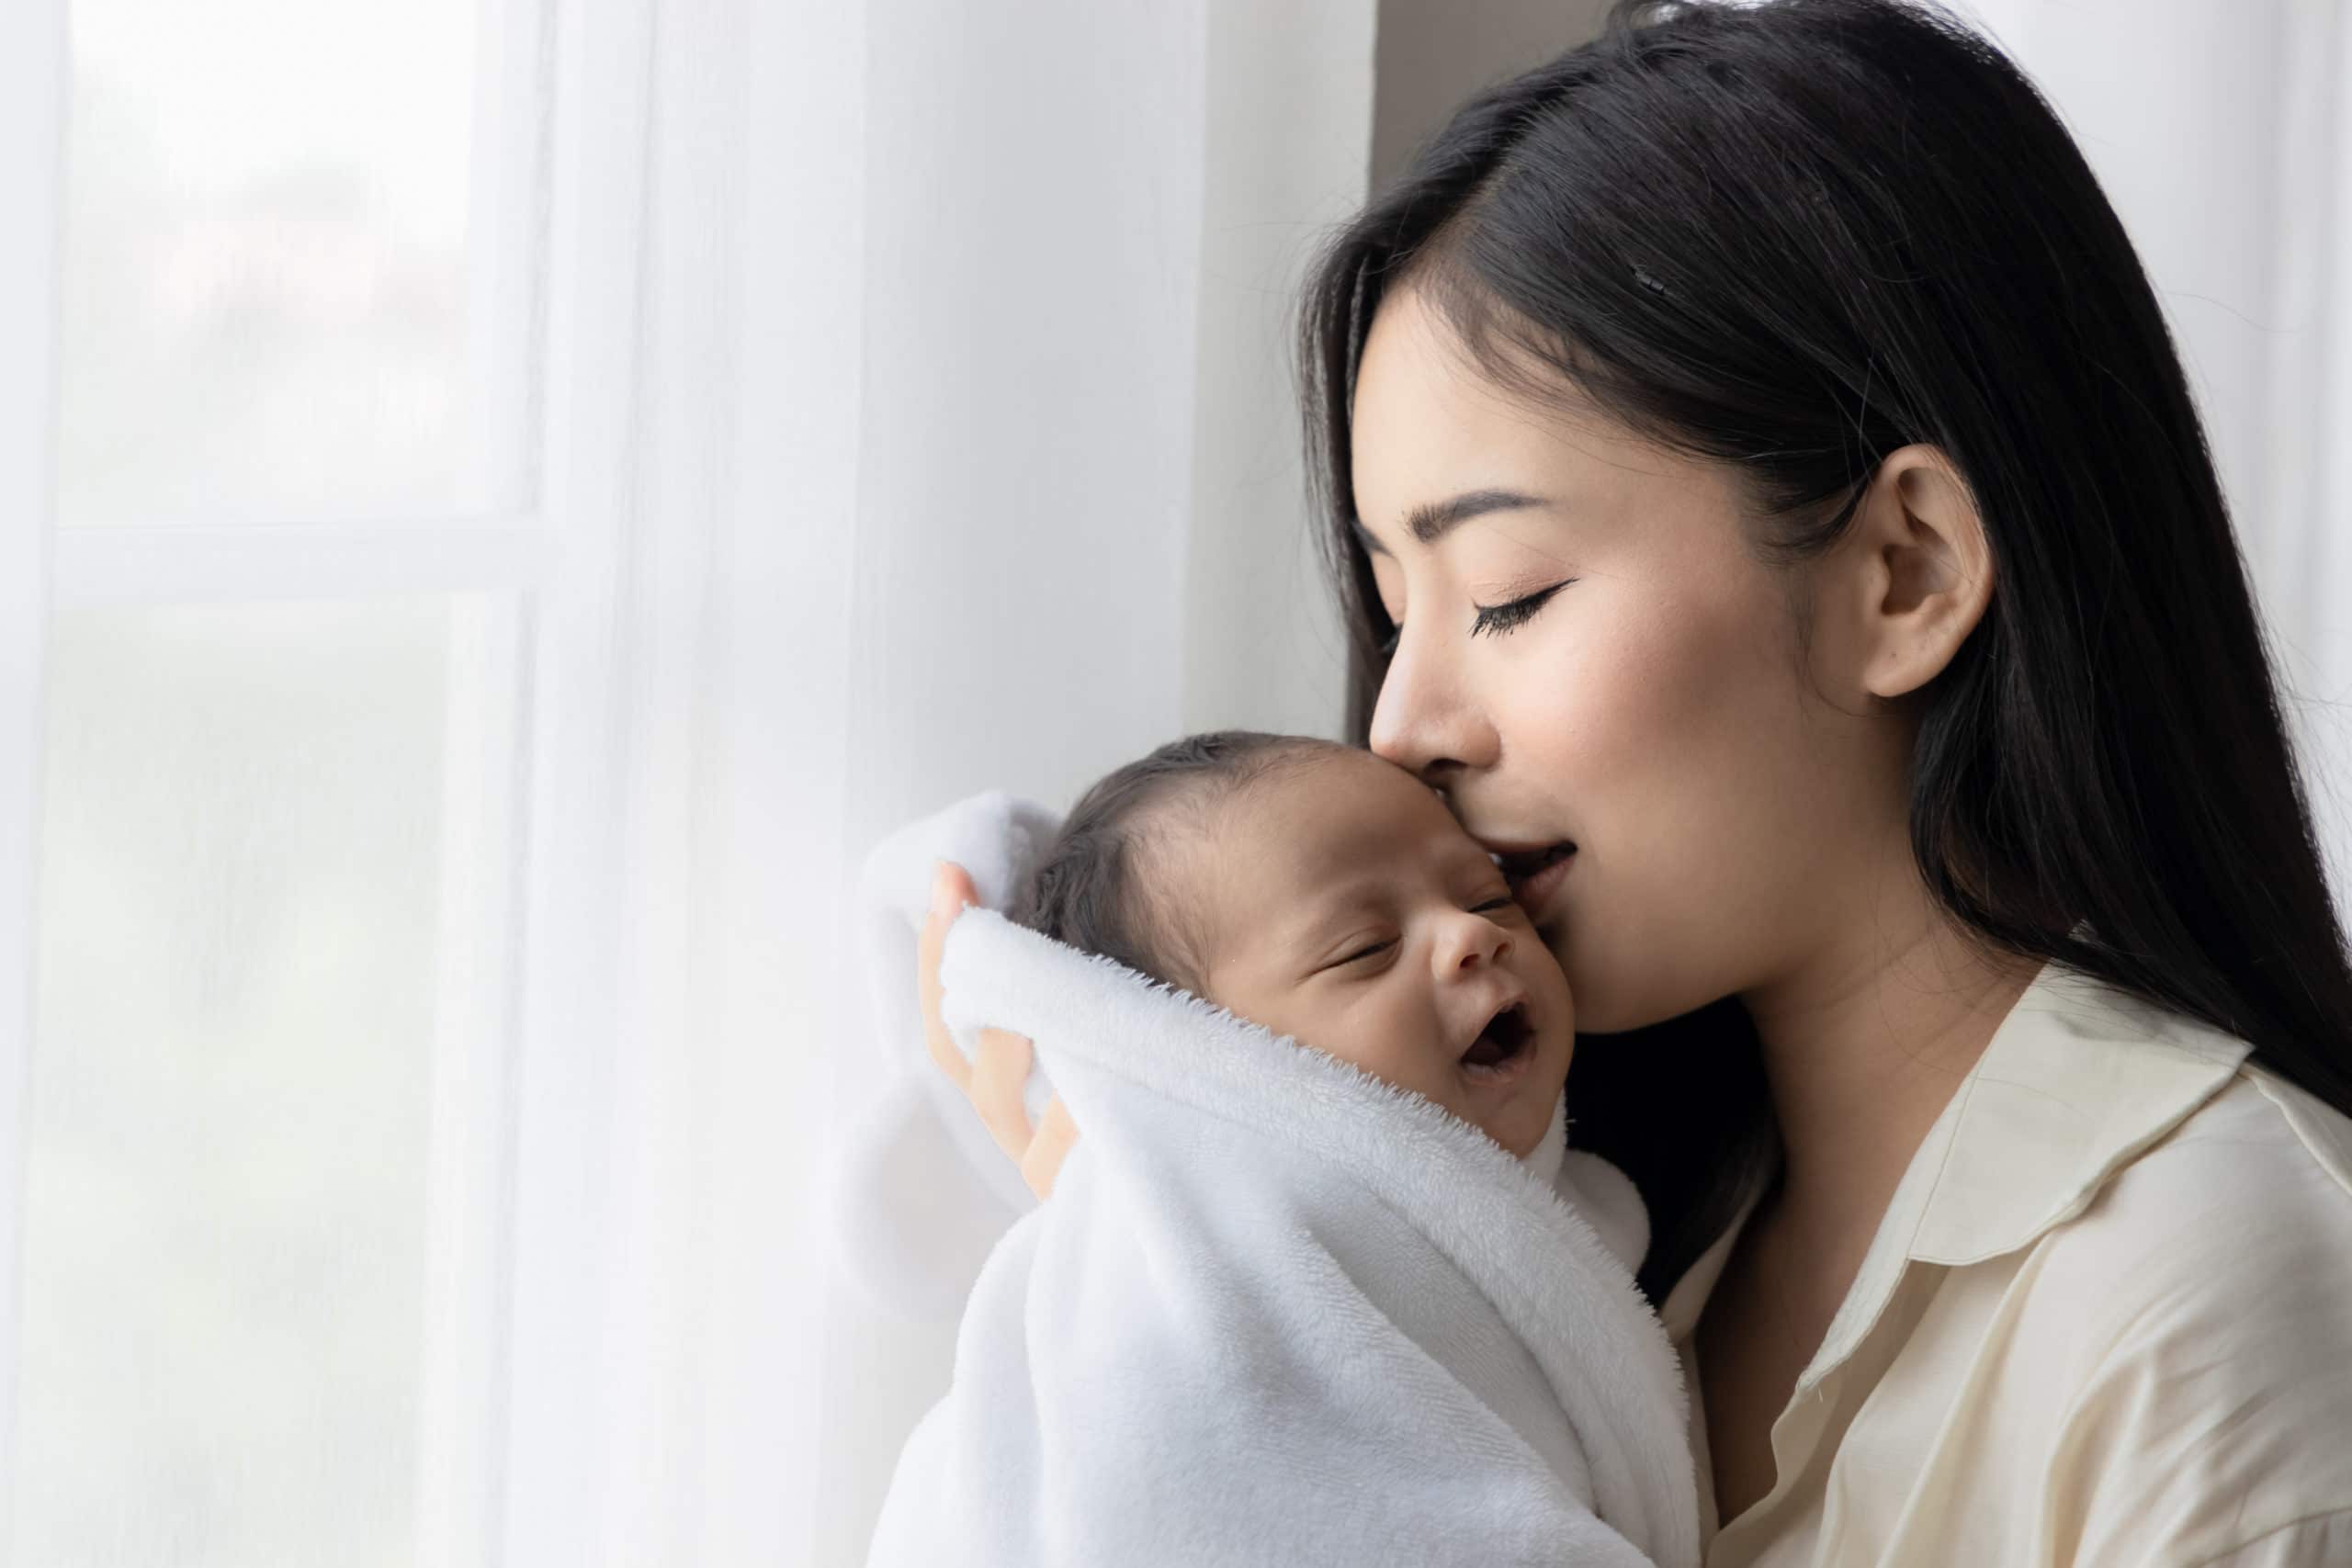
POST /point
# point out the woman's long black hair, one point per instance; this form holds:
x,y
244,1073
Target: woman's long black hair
x,y
1792,237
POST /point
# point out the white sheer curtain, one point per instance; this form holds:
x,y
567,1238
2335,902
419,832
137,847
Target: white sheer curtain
x,y
503,503
960,454
1079,528
2223,135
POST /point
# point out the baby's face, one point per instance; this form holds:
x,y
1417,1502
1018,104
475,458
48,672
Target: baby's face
x,y
1350,912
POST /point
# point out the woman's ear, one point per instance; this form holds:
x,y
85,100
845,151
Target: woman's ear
x,y
1917,572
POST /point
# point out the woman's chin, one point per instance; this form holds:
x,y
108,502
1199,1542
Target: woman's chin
x,y
1609,1005
1620,985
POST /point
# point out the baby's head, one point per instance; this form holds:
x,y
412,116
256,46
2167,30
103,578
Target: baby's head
x,y
1327,894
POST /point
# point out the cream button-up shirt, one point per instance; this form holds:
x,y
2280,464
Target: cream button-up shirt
x,y
2107,1320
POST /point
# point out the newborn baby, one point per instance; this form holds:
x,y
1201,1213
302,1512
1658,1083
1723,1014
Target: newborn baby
x,y
1282,1308
1327,895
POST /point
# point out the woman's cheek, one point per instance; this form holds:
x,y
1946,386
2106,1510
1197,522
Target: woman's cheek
x,y
1652,696
1664,750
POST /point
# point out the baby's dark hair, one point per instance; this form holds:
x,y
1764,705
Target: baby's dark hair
x,y
1113,882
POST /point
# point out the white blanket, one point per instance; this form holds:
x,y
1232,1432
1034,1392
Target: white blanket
x,y
920,1191
1278,1312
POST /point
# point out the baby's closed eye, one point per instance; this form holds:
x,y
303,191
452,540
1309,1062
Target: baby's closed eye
x,y
1367,951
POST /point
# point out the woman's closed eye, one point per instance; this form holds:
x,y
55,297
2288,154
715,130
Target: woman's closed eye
x,y
1495,620
1502,618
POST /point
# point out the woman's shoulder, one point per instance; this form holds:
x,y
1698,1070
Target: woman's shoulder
x,y
2262,1171
2241,1214
2195,1151
2195,1320
2322,1133
2127,1144
2176,1357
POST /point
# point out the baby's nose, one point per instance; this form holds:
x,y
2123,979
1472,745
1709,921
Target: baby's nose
x,y
1483,941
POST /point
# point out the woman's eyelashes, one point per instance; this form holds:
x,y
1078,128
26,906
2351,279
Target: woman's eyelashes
x,y
1501,618
1495,620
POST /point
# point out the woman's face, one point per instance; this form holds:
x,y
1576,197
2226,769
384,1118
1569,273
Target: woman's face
x,y
1729,815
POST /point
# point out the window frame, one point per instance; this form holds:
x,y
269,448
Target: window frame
x,y
519,1276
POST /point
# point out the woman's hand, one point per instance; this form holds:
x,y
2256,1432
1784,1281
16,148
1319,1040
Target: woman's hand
x,y
993,1080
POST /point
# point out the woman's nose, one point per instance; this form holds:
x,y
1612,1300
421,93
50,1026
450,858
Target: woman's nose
x,y
1422,724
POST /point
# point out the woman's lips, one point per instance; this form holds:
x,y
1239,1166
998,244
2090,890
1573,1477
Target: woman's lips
x,y
1535,893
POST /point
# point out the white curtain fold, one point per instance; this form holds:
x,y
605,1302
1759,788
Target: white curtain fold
x,y
1079,528
963,455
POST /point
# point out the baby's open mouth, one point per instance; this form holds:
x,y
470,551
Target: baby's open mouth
x,y
1506,1035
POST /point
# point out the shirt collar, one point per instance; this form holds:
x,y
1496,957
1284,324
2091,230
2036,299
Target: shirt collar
x,y
2079,1078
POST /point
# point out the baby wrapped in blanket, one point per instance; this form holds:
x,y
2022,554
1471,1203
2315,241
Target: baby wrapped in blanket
x,y
1320,1282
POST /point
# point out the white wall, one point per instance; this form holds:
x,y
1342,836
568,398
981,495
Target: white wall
x,y
1264,651
1434,53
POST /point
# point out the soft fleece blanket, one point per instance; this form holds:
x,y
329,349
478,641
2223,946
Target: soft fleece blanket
x,y
1278,1312
920,1191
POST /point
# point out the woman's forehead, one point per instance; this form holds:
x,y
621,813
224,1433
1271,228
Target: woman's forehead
x,y
1432,444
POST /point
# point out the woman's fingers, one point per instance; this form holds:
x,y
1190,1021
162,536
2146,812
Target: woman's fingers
x,y
999,1069
993,1079
1056,1134
951,889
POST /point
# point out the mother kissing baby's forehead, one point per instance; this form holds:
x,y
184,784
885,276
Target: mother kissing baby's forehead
x,y
1327,895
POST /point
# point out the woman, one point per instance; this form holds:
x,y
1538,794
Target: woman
x,y
1760,482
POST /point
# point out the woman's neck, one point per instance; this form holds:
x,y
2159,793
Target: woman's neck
x,y
1863,1051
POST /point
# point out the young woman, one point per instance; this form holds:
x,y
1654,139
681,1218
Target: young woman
x,y
1768,504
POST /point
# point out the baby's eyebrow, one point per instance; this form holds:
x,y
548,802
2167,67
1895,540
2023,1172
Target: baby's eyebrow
x,y
1304,933
1307,929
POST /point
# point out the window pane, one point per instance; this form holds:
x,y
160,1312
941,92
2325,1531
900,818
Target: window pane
x,y
279,300
225,1227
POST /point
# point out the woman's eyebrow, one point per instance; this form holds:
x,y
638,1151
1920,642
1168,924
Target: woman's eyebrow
x,y
1433,520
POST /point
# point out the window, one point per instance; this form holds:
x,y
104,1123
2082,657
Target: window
x,y
308,541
